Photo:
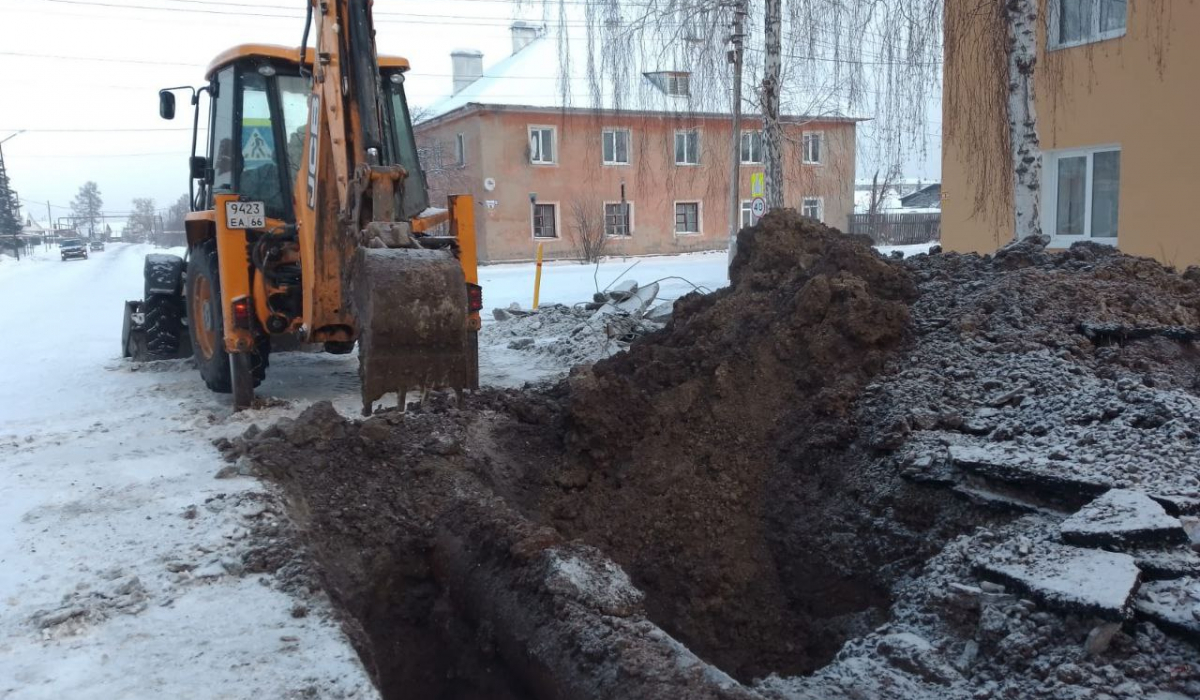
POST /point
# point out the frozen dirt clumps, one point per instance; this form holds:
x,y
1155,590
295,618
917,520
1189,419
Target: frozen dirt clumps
x,y
841,477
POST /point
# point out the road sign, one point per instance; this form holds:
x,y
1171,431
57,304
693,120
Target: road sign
x,y
756,185
757,208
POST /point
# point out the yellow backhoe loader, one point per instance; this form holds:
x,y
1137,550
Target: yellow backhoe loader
x,y
311,221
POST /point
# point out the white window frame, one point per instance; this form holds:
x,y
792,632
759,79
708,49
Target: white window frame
x,y
699,217
604,213
1054,27
747,213
804,140
675,149
742,147
553,144
679,84
460,149
628,146
1050,195
820,207
557,221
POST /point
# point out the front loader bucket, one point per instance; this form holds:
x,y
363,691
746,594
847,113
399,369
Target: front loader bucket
x,y
412,314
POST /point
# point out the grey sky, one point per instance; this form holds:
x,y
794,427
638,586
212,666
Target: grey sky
x,y
92,112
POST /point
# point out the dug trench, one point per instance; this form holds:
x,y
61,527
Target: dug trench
x,y
721,463
742,495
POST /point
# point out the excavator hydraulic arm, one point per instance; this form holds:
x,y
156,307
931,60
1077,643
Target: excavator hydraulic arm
x,y
368,276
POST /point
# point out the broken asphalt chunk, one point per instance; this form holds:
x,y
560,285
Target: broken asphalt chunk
x,y
1122,517
1172,605
1070,579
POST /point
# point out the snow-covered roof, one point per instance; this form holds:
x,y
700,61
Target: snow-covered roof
x,y
33,227
545,75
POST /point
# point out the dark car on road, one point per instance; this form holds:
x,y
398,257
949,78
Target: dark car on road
x,y
72,248
96,245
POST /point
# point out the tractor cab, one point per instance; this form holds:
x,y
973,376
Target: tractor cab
x,y
258,120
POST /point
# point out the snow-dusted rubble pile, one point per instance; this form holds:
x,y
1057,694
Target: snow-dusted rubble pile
x,y
565,336
955,635
1063,386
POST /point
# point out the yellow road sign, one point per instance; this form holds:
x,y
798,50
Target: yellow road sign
x,y
756,185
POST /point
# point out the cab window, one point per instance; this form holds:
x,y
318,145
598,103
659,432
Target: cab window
x,y
293,98
261,177
403,148
221,152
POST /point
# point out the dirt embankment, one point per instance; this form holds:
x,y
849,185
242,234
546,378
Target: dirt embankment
x,y
715,460
779,472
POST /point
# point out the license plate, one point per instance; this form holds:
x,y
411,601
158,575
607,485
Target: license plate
x,y
245,215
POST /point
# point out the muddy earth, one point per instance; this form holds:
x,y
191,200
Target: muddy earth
x,y
841,476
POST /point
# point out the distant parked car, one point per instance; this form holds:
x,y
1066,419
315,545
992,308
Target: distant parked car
x,y
72,248
96,245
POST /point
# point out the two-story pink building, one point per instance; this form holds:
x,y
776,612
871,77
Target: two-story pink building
x,y
648,178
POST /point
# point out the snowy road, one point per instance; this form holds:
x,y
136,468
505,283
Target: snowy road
x,y
120,554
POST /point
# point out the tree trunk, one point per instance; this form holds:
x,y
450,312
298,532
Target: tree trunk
x,y
772,129
1025,145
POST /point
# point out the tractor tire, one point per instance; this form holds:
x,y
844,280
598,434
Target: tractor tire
x,y
163,306
206,323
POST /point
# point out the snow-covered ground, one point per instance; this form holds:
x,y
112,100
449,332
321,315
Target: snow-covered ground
x,y
119,552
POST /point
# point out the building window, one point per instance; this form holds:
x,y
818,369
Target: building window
x,y
687,147
618,219
752,147
1075,22
813,208
545,221
541,145
1082,192
616,146
687,217
814,148
747,215
679,84
675,83
460,150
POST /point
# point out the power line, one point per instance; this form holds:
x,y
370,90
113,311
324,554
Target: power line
x,y
102,130
97,58
178,154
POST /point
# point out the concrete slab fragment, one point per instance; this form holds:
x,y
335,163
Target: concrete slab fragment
x,y
1053,480
1122,517
1071,579
1172,605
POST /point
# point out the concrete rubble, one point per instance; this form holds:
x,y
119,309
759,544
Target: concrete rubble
x,y
1122,517
586,332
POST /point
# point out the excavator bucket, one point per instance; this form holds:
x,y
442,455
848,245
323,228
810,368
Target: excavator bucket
x,y
412,312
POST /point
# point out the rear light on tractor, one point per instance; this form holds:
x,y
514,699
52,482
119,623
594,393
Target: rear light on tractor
x,y
241,312
474,297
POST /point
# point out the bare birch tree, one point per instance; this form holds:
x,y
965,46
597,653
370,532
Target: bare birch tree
x,y
772,128
817,58
1025,145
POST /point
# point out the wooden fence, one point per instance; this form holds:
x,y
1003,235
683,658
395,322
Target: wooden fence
x,y
898,229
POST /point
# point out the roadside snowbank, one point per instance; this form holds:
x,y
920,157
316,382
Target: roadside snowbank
x,y
126,569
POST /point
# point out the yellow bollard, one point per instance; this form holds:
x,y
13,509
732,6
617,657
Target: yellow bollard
x,y
537,278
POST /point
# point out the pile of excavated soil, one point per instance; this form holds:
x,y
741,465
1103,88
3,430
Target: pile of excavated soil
x,y
717,460
806,478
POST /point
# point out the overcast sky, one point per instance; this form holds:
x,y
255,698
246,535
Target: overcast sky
x,y
81,76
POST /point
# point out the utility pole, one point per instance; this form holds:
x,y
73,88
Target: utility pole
x,y
737,41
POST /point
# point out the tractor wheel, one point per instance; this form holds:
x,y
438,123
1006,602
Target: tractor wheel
x,y
163,306
206,322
